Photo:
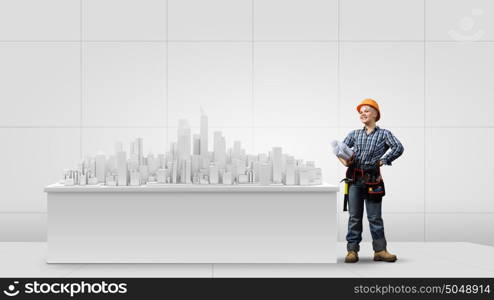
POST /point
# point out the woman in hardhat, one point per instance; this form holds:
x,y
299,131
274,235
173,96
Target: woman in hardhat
x,y
370,145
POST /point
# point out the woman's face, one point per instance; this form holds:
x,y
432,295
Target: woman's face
x,y
367,114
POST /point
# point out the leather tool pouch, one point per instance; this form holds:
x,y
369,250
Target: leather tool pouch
x,y
375,191
372,179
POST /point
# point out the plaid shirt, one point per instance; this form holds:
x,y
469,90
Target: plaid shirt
x,y
370,148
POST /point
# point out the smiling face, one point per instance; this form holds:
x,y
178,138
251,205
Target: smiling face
x,y
368,114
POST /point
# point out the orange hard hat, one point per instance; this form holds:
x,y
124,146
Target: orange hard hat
x,y
371,103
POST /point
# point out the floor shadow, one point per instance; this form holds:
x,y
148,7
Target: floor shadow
x,y
370,260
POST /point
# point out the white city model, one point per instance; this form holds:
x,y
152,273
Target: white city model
x,y
180,166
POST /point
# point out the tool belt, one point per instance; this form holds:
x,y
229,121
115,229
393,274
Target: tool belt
x,y
371,178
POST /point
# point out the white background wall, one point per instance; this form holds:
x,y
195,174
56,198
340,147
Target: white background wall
x,y
77,75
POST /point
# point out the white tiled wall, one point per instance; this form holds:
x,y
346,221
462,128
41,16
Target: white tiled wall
x,y
392,73
295,84
214,76
243,134
287,20
97,139
34,20
459,20
40,84
459,90
124,20
77,75
211,20
33,158
22,227
124,84
456,184
381,20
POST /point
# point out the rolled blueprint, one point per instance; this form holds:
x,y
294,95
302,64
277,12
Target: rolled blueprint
x,y
341,150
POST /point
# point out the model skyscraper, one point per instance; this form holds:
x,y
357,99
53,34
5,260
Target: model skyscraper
x,y
190,162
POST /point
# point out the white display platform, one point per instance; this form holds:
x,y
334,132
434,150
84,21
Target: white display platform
x,y
192,224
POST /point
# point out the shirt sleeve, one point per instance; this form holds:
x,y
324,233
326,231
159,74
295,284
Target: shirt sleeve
x,y
396,148
350,139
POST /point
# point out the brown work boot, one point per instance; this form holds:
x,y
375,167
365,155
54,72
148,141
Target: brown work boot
x,y
351,257
384,255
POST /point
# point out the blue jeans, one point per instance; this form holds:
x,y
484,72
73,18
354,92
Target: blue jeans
x,y
356,194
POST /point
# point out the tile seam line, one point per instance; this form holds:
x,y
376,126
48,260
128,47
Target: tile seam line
x,y
339,213
81,62
338,97
166,80
250,41
424,195
252,79
233,127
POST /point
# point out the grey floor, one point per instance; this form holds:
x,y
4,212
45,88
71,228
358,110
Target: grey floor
x,y
414,260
